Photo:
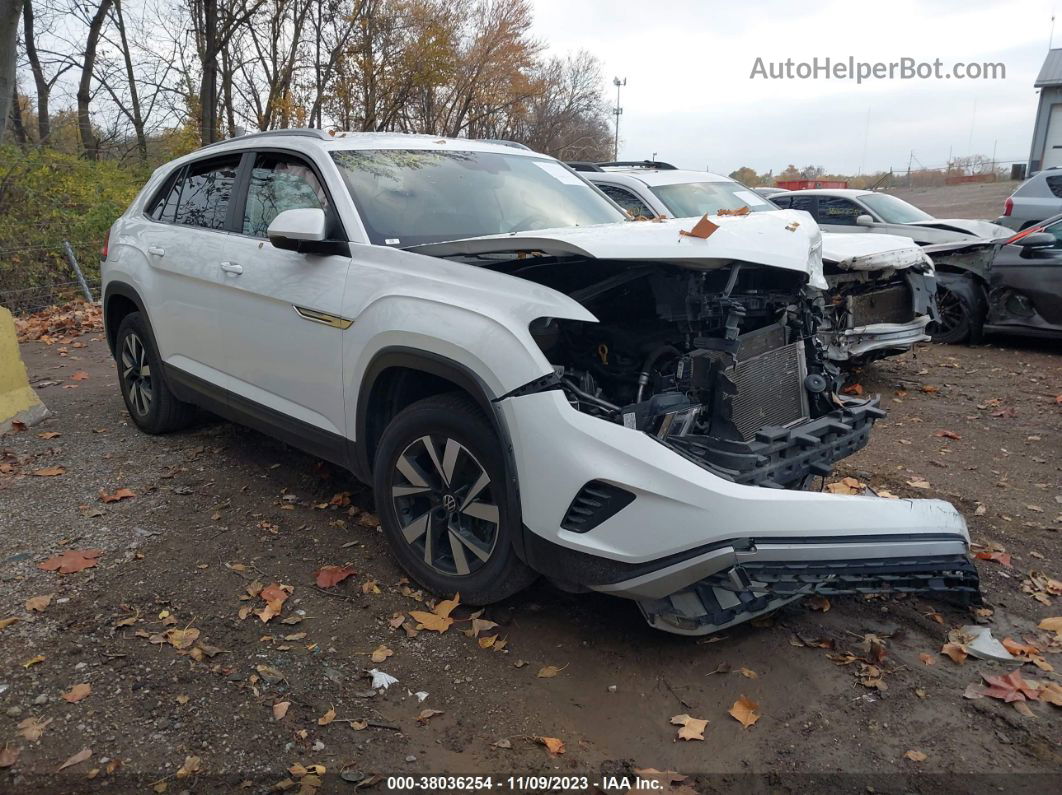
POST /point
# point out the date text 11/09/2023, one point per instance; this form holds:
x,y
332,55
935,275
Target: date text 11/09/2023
x,y
534,783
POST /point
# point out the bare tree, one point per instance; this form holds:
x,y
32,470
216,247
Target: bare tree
x,y
89,143
10,12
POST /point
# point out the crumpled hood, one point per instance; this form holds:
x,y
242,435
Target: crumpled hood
x,y
964,228
785,239
872,252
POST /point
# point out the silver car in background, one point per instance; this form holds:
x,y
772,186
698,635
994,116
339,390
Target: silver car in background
x,y
1035,200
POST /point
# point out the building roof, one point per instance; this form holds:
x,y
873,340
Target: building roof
x,y
1051,71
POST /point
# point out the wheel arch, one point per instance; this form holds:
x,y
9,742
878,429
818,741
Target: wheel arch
x,y
119,299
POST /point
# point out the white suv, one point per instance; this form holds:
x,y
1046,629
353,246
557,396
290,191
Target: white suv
x,y
615,405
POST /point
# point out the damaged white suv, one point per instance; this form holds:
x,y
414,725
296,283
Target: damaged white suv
x,y
532,384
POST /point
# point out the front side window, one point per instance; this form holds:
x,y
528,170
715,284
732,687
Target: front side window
x,y
279,182
627,200
688,199
892,210
205,194
837,211
409,197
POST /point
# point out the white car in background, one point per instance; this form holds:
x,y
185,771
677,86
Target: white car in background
x,y
882,292
851,211
531,383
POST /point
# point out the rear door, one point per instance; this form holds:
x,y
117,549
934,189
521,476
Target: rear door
x,y
281,311
838,214
184,243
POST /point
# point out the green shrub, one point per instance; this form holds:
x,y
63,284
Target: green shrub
x,y
47,197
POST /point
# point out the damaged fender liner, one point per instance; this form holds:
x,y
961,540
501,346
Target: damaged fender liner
x,y
747,590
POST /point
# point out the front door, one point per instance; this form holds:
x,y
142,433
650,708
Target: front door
x,y
281,312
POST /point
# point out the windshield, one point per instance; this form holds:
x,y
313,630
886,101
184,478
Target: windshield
x,y
408,197
687,199
892,210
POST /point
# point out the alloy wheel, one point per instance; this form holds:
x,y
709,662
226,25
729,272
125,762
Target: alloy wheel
x,y
136,373
445,504
950,312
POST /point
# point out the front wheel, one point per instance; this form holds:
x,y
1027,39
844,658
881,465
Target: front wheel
x,y
959,314
151,404
440,488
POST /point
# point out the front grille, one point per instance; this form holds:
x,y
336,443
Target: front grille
x,y
891,305
770,390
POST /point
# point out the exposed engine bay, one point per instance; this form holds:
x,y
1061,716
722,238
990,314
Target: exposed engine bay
x,y
722,365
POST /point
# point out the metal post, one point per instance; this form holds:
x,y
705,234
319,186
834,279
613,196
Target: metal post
x,y
618,111
77,271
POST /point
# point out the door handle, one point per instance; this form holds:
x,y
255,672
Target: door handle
x,y
156,250
232,267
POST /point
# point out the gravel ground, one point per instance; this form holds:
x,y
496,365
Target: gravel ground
x,y
976,200
220,511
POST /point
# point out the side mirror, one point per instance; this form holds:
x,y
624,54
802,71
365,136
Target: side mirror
x,y
864,220
1037,240
292,228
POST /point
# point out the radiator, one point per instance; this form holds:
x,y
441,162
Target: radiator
x,y
770,389
891,305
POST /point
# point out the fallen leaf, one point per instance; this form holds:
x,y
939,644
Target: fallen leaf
x,y
1009,687
487,641
503,743
1051,692
76,759
919,483
359,725
37,660
553,745
748,673
744,711
927,659
71,561
38,603
1023,650
80,375
947,435
7,622
956,651
328,717
929,389
481,625
32,728
9,755
381,653
431,621
692,728
182,638
820,603
49,472
330,576
1053,624
852,389
118,496
915,756
49,435
427,714
77,693
549,671
1002,558
280,709
191,765
846,486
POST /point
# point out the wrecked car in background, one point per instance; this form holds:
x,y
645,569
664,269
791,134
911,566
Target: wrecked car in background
x,y
881,288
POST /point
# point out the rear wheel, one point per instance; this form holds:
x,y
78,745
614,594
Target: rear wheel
x,y
439,482
151,404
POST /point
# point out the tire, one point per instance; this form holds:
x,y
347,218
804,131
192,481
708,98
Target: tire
x,y
444,540
960,314
148,399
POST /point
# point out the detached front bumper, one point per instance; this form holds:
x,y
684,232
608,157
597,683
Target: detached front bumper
x,y
657,527
855,343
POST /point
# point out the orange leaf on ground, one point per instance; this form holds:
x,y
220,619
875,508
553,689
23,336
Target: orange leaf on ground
x,y
947,435
9,755
80,375
745,712
76,759
1025,650
330,576
553,745
118,496
999,557
956,651
692,728
49,472
915,756
71,561
77,693
280,709
37,604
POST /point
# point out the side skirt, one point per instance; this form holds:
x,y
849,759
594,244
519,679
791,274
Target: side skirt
x,y
309,438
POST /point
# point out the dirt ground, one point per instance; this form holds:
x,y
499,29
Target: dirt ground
x,y
219,508
978,200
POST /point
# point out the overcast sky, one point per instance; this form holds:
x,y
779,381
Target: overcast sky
x,y
690,99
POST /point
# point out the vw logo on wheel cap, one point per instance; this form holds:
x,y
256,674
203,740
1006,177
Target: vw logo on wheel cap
x,y
449,503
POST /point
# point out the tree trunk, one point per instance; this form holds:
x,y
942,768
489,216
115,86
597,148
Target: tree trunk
x,y
10,12
16,121
134,95
89,144
44,90
208,85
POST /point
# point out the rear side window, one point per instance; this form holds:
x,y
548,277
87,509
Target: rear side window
x,y
835,210
1054,184
805,203
279,182
207,188
165,205
627,200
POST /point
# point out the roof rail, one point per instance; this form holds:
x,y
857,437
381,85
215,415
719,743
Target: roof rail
x,y
503,142
660,164
302,132
583,165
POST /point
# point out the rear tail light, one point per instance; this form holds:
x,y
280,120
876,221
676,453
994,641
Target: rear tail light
x,y
106,244
1008,206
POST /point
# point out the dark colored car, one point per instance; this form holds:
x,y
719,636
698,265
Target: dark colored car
x,y
1014,287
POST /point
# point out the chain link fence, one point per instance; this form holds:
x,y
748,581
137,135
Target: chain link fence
x,y
57,288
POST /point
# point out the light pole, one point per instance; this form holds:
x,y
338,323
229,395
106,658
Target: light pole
x,y
618,111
